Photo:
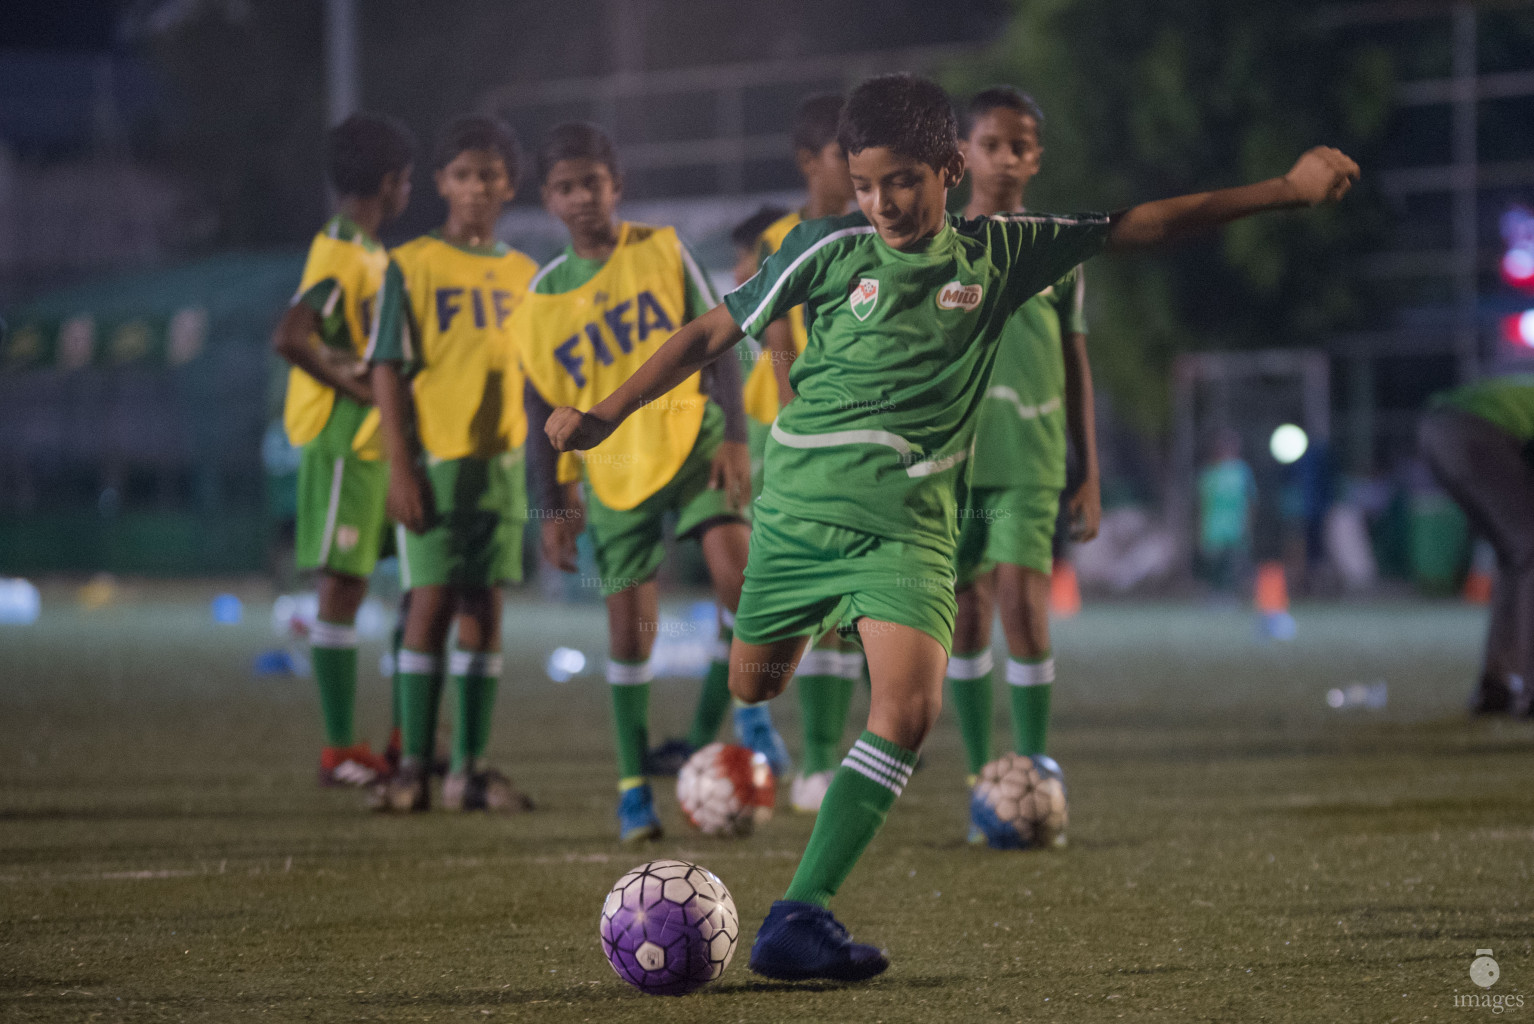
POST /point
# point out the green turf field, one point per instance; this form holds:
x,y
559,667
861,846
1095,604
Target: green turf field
x,y
1238,851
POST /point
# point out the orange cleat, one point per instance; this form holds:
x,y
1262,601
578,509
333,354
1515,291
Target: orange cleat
x,y
355,765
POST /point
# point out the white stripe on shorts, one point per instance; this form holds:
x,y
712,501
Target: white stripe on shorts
x,y
334,510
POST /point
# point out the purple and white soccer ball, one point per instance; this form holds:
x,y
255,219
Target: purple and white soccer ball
x,y
669,927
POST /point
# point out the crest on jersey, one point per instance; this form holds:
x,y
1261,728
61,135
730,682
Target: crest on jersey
x,y
959,296
864,295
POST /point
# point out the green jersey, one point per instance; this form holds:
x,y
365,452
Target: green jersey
x,y
567,272
1505,402
901,346
1020,438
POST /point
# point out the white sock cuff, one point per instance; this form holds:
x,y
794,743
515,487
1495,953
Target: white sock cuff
x,y
1026,673
976,666
417,663
726,618
475,663
841,664
622,674
332,635
873,763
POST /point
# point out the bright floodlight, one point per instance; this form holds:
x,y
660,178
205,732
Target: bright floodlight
x,y
1288,443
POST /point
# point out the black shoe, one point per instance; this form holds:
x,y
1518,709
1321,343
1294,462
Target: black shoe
x,y
799,941
1504,696
668,758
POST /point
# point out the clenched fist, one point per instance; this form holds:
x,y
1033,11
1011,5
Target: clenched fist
x,y
1322,175
571,430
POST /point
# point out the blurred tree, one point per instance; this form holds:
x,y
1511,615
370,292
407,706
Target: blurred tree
x,y
245,110
1143,101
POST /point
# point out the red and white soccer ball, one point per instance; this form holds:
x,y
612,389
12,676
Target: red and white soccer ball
x,y
726,790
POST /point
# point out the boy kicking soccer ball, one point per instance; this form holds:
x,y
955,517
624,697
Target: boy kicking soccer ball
x,y
831,668
857,518
329,414
450,395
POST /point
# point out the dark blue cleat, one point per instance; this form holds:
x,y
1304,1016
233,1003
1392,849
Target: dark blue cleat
x,y
799,941
668,758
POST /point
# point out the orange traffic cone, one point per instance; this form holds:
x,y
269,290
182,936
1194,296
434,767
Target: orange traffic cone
x,y
1271,598
1064,591
1271,595
1478,581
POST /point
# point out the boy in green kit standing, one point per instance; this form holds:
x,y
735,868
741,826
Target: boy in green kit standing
x,y
1040,393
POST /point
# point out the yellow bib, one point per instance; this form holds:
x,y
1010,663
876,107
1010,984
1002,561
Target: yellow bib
x,y
578,346
468,385
761,391
357,266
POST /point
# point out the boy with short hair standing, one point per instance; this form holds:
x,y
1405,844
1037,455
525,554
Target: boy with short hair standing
x,y
329,414
449,390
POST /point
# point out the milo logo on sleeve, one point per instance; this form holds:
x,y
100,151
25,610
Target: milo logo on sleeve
x,y
863,297
959,296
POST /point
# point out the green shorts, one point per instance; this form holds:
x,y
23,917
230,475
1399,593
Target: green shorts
x,y
475,537
804,577
340,510
1011,525
630,544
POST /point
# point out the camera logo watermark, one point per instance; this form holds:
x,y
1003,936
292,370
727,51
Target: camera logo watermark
x,y
1485,972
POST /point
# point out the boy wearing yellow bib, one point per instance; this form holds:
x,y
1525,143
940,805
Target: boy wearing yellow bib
x,y
594,315
830,669
450,395
329,414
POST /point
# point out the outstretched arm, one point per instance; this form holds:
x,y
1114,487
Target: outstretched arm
x,y
691,348
1322,175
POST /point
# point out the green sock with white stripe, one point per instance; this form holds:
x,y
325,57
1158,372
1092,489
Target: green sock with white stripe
x,y
418,680
825,681
714,701
866,785
333,653
969,678
475,677
1031,682
630,686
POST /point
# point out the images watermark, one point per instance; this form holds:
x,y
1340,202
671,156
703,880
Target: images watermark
x,y
1485,972
557,514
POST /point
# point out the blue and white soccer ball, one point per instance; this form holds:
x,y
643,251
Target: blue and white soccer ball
x,y
1019,802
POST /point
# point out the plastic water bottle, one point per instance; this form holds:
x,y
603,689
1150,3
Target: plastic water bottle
x,y
19,602
1358,695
